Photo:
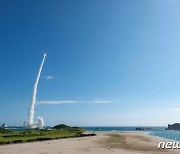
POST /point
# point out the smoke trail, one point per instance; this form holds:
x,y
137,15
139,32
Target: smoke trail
x,y
33,100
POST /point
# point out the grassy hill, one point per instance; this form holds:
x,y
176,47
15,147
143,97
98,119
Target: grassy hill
x,y
58,132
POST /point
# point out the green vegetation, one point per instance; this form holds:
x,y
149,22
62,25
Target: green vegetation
x,y
62,126
31,135
65,127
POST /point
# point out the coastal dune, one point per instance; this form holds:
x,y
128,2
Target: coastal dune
x,y
103,143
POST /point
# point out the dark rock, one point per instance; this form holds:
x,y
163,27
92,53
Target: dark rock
x,y
175,126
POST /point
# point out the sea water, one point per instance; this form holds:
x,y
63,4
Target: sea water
x,y
155,131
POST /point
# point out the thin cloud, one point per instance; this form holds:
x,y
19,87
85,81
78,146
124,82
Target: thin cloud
x,y
137,115
171,1
176,109
49,77
57,102
73,102
100,102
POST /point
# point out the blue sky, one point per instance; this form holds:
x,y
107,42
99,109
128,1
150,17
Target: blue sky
x,y
109,63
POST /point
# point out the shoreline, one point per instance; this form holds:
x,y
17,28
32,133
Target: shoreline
x,y
102,143
161,137
144,132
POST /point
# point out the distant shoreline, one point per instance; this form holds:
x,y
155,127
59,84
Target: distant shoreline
x,y
153,131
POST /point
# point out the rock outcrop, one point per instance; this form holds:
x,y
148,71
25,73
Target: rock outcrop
x,y
175,126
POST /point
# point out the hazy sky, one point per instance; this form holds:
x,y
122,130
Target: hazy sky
x,y
109,63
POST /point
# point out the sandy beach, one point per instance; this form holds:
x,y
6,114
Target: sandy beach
x,y
103,143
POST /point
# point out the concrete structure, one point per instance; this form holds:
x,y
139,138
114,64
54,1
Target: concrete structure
x,y
3,126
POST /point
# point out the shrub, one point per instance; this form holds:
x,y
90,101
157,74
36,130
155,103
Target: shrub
x,y
43,139
17,141
2,142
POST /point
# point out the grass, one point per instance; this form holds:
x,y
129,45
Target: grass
x,y
9,136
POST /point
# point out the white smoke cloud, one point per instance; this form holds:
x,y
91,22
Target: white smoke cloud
x,y
37,124
33,100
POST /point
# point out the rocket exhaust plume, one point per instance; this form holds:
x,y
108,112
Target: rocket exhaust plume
x,y
33,100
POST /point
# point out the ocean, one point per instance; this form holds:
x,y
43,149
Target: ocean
x,y
155,131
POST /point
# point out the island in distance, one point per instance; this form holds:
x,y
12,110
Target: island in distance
x,y
175,126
